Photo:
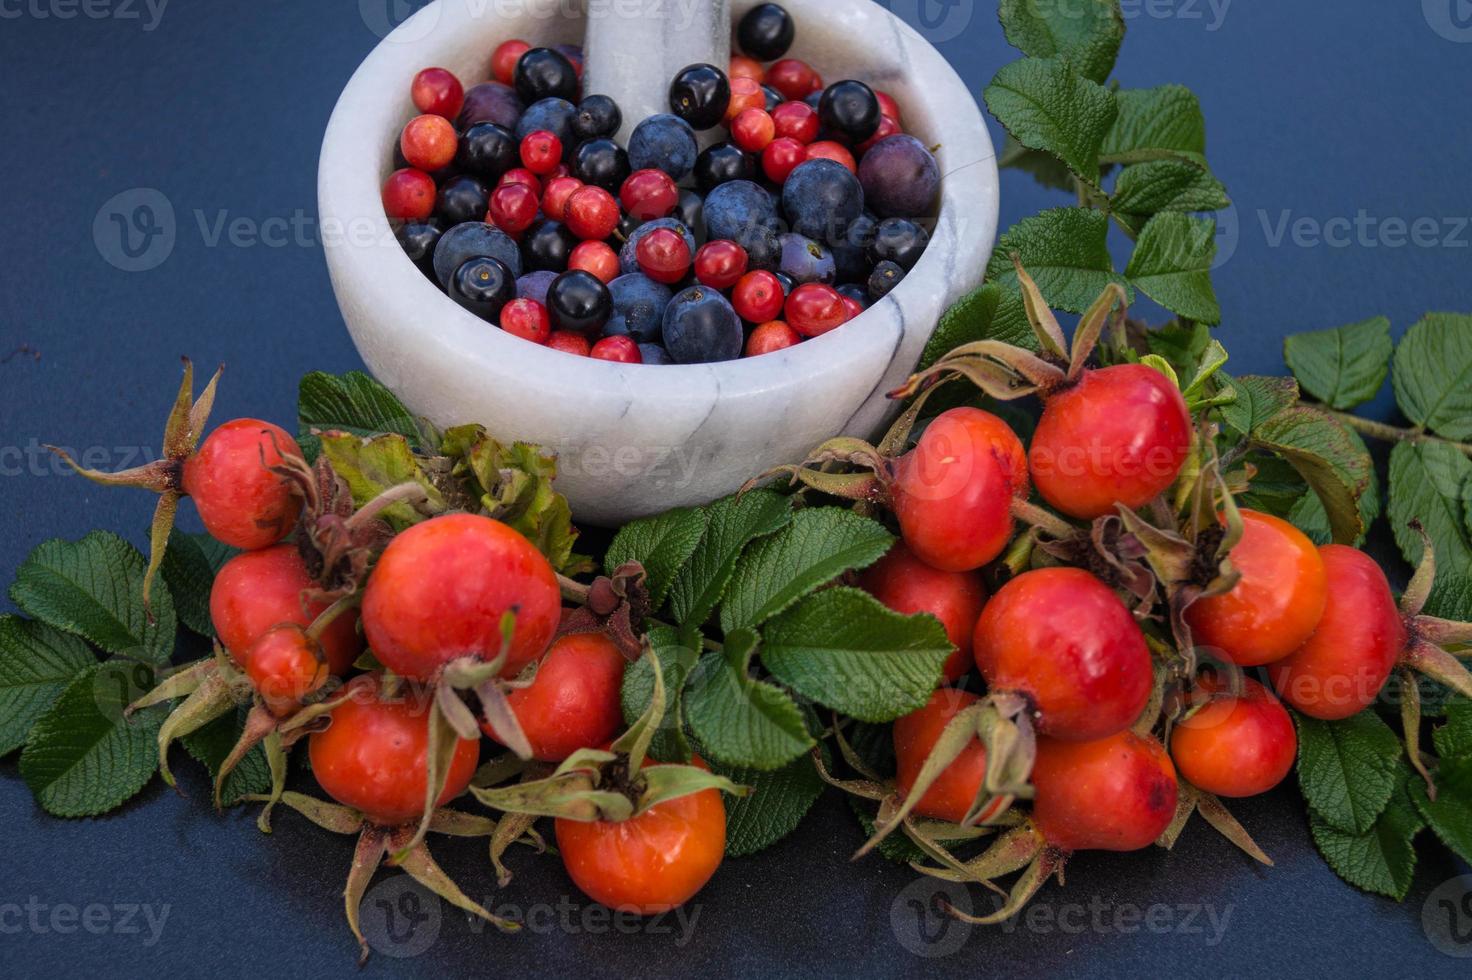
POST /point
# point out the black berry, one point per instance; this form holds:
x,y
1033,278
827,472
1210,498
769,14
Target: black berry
x,y
547,245
542,73
722,162
700,94
849,109
579,301
766,32
597,115
601,162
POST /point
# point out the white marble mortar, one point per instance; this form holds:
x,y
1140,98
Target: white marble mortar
x,y
635,439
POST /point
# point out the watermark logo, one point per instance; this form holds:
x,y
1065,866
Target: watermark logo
x,y
400,917
936,20
920,923
135,231
145,13
383,17
1450,19
1446,917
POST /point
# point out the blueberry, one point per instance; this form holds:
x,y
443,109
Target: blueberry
x,y
553,115
822,199
700,326
886,276
542,73
418,239
490,102
461,199
627,256
663,142
900,177
597,115
534,285
774,97
744,213
899,240
690,212
473,240
579,301
487,151
548,244
851,255
601,162
700,94
655,354
766,32
721,163
804,260
483,285
638,307
850,109
855,292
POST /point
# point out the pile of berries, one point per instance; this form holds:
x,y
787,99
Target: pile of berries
x,y
516,199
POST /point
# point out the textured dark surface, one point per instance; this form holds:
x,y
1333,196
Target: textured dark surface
x,y
1315,111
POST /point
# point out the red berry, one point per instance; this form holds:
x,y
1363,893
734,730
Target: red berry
x,y
720,264
796,120
592,213
595,257
649,194
744,67
887,128
617,348
527,319
1118,436
952,493
1340,669
1234,744
771,336
907,585
753,130
746,93
781,158
851,306
541,151
758,296
441,587
663,255
569,342
241,502
1065,641
438,92
556,194
504,59
573,702
284,666
257,590
837,152
950,797
795,79
888,106
521,175
814,309
409,195
429,143
374,757
513,208
1114,794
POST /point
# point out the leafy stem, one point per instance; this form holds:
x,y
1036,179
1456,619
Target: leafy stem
x,y
1393,433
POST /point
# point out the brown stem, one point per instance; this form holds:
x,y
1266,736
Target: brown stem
x,y
1392,433
1041,519
325,619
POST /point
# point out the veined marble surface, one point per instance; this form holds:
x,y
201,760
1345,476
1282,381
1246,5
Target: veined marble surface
x,y
636,439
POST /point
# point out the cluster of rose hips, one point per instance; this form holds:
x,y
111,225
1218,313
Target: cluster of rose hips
x,y
517,200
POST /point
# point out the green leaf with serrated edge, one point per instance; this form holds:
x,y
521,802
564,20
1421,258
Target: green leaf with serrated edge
x,y
1454,738
189,569
1182,344
731,523
1381,858
1307,511
1154,124
845,650
1451,598
820,544
1258,399
36,663
662,544
1343,366
676,660
979,315
1427,480
737,719
1145,189
1065,252
1086,35
1450,815
1172,265
82,757
1335,465
94,588
371,466
1045,105
1045,168
210,745
778,803
1276,488
1433,374
1347,769
352,402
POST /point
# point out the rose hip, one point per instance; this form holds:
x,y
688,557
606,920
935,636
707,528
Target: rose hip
x,y
663,256
771,336
438,92
527,319
541,152
513,208
503,61
796,120
409,195
814,309
649,194
595,257
753,130
618,348
781,157
720,264
569,342
429,143
592,213
758,296
554,197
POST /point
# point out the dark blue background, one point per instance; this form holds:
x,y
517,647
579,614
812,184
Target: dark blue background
x,y
1315,111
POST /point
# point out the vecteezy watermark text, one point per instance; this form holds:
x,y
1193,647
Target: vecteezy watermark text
x,y
37,918
146,13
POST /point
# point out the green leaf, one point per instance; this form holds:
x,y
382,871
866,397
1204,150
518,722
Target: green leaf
x,y
1045,168
1308,515
675,660
1347,769
1324,453
1450,814
1065,251
1427,483
94,588
1454,739
1258,399
1381,858
190,565
81,757
778,803
211,744
1156,124
845,650
1149,188
1045,105
36,663
661,544
1343,366
731,523
371,466
820,544
352,402
989,312
1277,489
1172,265
1086,35
737,719
1433,374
